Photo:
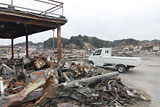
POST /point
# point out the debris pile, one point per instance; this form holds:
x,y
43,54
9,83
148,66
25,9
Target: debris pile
x,y
41,82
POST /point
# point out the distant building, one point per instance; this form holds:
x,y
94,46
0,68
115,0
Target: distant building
x,y
156,48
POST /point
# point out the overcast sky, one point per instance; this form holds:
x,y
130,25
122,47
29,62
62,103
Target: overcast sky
x,y
107,19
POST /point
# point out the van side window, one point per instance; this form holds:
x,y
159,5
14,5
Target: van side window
x,y
98,52
106,51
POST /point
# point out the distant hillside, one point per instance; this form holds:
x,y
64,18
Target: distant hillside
x,y
90,42
155,41
78,42
81,42
125,42
24,43
49,43
30,43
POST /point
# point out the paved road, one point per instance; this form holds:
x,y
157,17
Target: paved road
x,y
146,77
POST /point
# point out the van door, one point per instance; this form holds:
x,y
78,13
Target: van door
x,y
97,57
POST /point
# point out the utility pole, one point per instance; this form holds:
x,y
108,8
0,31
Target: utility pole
x,y
11,2
53,39
11,6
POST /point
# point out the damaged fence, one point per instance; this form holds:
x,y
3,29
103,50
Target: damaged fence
x,y
42,82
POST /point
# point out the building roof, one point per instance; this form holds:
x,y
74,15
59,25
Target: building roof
x,y
16,23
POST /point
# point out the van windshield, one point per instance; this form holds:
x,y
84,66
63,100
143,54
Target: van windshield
x,y
98,52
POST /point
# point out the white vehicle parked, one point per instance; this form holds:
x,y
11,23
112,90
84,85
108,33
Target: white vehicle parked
x,y
103,57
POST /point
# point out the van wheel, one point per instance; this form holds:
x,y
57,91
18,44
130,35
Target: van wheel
x,y
121,68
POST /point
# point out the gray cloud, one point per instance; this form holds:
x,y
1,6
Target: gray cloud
x,y
108,19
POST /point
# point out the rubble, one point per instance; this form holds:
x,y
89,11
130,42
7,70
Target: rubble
x,y
39,63
40,81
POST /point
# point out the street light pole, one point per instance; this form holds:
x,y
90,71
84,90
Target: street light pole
x,y
53,39
11,2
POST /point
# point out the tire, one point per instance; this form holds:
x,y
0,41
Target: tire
x,y
121,68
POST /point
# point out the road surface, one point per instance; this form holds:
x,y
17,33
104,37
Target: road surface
x,y
147,78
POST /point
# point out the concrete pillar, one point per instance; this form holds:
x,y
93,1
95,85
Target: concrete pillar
x,y
12,43
26,45
58,43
